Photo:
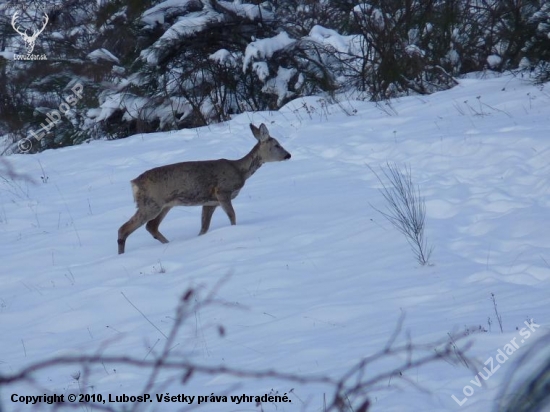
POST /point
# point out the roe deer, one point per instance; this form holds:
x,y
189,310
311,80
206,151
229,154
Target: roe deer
x,y
207,183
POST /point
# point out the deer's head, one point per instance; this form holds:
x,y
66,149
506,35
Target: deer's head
x,y
270,149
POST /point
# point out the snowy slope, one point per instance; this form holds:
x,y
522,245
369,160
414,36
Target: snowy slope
x,y
318,279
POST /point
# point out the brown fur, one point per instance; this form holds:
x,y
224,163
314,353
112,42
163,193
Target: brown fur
x,y
208,183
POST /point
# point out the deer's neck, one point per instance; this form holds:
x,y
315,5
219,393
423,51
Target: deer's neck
x,y
251,162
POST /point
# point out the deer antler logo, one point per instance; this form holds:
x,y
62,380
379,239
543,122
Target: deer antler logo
x,y
29,40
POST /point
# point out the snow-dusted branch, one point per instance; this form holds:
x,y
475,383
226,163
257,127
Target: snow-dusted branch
x,y
355,387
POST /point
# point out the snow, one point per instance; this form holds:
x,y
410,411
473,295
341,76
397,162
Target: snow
x,y
196,18
224,57
494,60
279,85
168,9
265,48
111,104
102,54
413,50
453,57
186,26
250,11
7,55
317,278
261,69
136,107
332,38
375,15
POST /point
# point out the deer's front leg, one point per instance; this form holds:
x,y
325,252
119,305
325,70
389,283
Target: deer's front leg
x,y
225,201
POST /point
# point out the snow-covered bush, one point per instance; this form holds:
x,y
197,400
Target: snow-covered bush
x,y
162,64
537,48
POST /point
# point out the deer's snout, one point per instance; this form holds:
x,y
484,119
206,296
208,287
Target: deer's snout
x,y
288,156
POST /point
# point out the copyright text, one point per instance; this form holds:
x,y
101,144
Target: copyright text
x,y
146,397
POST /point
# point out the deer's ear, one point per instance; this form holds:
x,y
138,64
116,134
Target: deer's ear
x,y
264,133
255,131
261,133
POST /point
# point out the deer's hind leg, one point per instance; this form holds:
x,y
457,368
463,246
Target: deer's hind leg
x,y
207,212
153,225
140,217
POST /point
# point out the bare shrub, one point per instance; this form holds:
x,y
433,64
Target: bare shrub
x,y
405,209
351,391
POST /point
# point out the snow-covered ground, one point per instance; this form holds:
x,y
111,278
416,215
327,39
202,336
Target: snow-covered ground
x,y
317,278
